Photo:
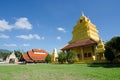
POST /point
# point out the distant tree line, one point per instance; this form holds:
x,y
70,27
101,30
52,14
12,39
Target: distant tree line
x,y
4,55
18,54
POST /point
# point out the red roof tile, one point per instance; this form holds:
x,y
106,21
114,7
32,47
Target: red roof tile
x,y
80,43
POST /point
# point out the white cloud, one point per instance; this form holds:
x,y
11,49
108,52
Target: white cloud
x,y
21,23
42,38
61,29
10,45
4,25
30,36
25,45
36,36
4,36
58,38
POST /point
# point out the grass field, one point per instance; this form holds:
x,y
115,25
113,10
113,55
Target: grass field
x,y
58,72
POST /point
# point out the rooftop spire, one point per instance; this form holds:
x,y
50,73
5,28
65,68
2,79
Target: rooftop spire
x,y
82,13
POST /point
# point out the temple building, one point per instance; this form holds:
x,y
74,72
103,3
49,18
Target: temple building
x,y
35,55
86,41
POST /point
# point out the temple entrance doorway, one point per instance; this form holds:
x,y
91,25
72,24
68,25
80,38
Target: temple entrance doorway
x,y
12,61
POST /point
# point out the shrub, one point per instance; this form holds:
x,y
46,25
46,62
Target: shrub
x,y
109,54
48,58
61,57
71,57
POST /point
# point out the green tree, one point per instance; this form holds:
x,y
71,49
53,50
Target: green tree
x,y
71,56
18,54
4,55
61,57
109,54
114,43
112,48
48,58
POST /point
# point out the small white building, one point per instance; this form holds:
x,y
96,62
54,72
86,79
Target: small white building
x,y
12,58
55,55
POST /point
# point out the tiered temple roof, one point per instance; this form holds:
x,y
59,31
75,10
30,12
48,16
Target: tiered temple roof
x,y
35,55
84,30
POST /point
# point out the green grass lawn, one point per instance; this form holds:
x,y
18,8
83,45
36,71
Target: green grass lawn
x,y
58,72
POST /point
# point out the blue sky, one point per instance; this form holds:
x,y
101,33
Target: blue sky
x,y
47,24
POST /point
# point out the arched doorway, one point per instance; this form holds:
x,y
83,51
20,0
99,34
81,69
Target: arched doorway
x,y
12,61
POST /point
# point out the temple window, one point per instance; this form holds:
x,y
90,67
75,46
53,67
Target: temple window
x,y
89,55
86,55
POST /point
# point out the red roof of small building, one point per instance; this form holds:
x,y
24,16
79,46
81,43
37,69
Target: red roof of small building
x,y
35,55
78,44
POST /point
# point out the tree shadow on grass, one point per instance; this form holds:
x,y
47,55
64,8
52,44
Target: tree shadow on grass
x,y
105,65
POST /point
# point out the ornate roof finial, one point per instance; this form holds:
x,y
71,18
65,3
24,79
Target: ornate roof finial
x,y
82,13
